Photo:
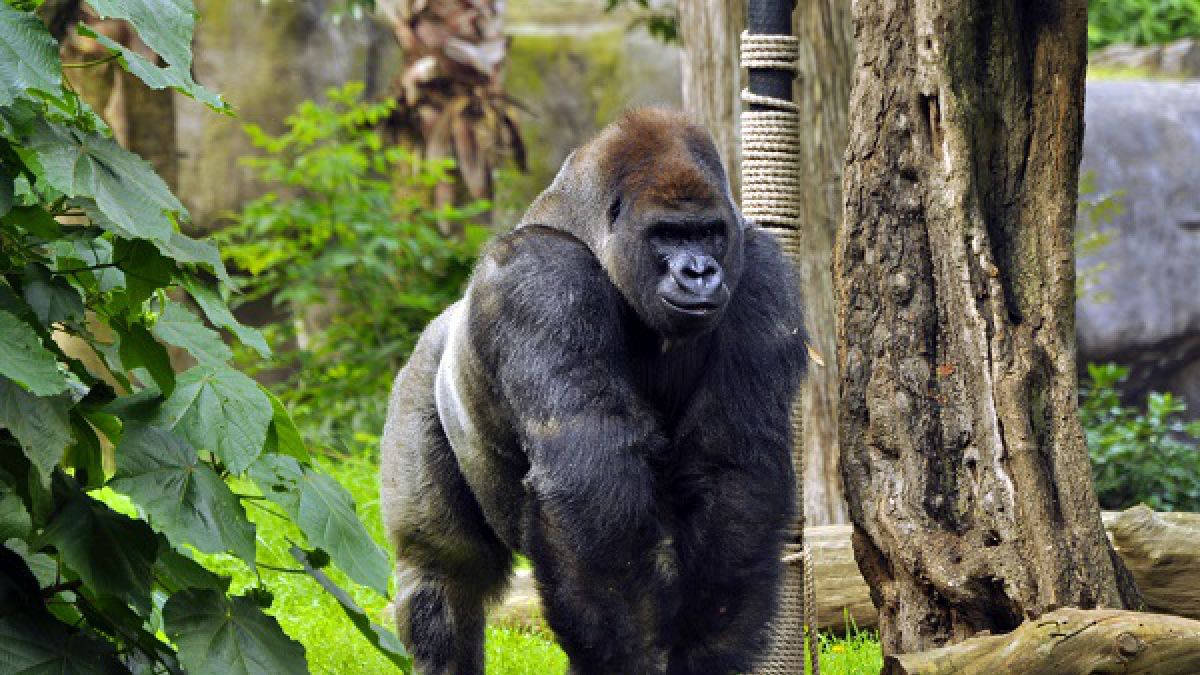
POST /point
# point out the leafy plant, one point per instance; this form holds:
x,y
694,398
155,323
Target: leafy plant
x,y
348,248
96,280
661,20
1141,22
1095,210
1139,456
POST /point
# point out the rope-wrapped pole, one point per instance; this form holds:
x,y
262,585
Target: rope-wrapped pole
x,y
770,125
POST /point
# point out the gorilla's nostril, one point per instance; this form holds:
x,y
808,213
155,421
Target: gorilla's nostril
x,y
699,274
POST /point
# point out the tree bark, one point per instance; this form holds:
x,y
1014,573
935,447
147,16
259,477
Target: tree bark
x,y
965,467
1069,642
711,31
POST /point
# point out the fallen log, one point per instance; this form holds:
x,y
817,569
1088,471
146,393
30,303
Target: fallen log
x,y
1069,642
1161,549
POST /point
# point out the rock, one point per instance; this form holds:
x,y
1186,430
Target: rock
x,y
1142,141
1181,57
1177,59
264,58
1128,56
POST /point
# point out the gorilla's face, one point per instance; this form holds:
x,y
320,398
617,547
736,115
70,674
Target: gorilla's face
x,y
677,263
650,197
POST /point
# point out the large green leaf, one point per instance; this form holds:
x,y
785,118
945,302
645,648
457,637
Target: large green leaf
x,y
41,425
28,56
160,77
283,436
146,270
184,249
184,497
139,348
176,246
112,553
175,572
383,639
219,635
124,186
166,27
324,510
178,326
14,517
218,313
52,298
219,410
25,360
36,644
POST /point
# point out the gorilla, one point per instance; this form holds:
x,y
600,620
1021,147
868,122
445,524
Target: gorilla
x,y
609,399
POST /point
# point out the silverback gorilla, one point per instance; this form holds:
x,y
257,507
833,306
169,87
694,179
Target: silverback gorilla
x,y
609,398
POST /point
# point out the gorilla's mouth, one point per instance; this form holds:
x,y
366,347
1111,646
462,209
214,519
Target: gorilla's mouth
x,y
697,308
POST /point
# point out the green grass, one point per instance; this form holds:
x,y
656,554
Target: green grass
x,y
335,647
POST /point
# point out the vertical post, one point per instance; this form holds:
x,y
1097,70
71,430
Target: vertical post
x,y
770,197
770,17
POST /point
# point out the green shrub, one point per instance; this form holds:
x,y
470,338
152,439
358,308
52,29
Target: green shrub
x,y
1141,22
349,250
115,469
1139,456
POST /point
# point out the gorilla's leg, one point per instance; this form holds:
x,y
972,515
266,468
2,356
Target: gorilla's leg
x,y
450,564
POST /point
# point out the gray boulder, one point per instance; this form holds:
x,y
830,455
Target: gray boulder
x,y
1143,138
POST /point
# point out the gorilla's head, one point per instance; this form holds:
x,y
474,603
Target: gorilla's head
x,y
650,197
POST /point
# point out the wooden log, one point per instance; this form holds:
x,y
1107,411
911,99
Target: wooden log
x,y
1161,549
1069,642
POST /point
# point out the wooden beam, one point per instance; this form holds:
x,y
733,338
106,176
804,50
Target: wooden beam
x,y
1162,550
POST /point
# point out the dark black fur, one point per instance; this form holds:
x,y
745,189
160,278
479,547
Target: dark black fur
x,y
642,464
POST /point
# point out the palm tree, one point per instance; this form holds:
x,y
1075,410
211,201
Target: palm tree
x,y
450,92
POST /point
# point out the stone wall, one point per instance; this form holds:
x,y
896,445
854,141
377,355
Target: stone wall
x,y
264,57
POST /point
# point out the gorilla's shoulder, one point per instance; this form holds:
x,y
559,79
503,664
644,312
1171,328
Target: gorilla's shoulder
x,y
536,276
540,244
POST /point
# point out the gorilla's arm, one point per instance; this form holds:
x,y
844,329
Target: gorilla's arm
x,y
550,329
740,471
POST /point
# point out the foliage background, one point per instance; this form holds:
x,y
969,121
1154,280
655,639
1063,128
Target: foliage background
x,y
346,246
1141,22
96,281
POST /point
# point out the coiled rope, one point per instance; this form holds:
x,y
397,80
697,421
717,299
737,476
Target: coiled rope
x,y
771,198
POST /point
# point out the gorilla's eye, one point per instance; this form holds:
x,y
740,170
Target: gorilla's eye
x,y
614,210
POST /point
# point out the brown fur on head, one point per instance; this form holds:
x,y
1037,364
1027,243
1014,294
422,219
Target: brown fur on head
x,y
662,156
649,157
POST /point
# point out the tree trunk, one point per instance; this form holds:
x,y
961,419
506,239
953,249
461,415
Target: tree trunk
x,y
711,31
964,463
450,93
823,92
712,82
